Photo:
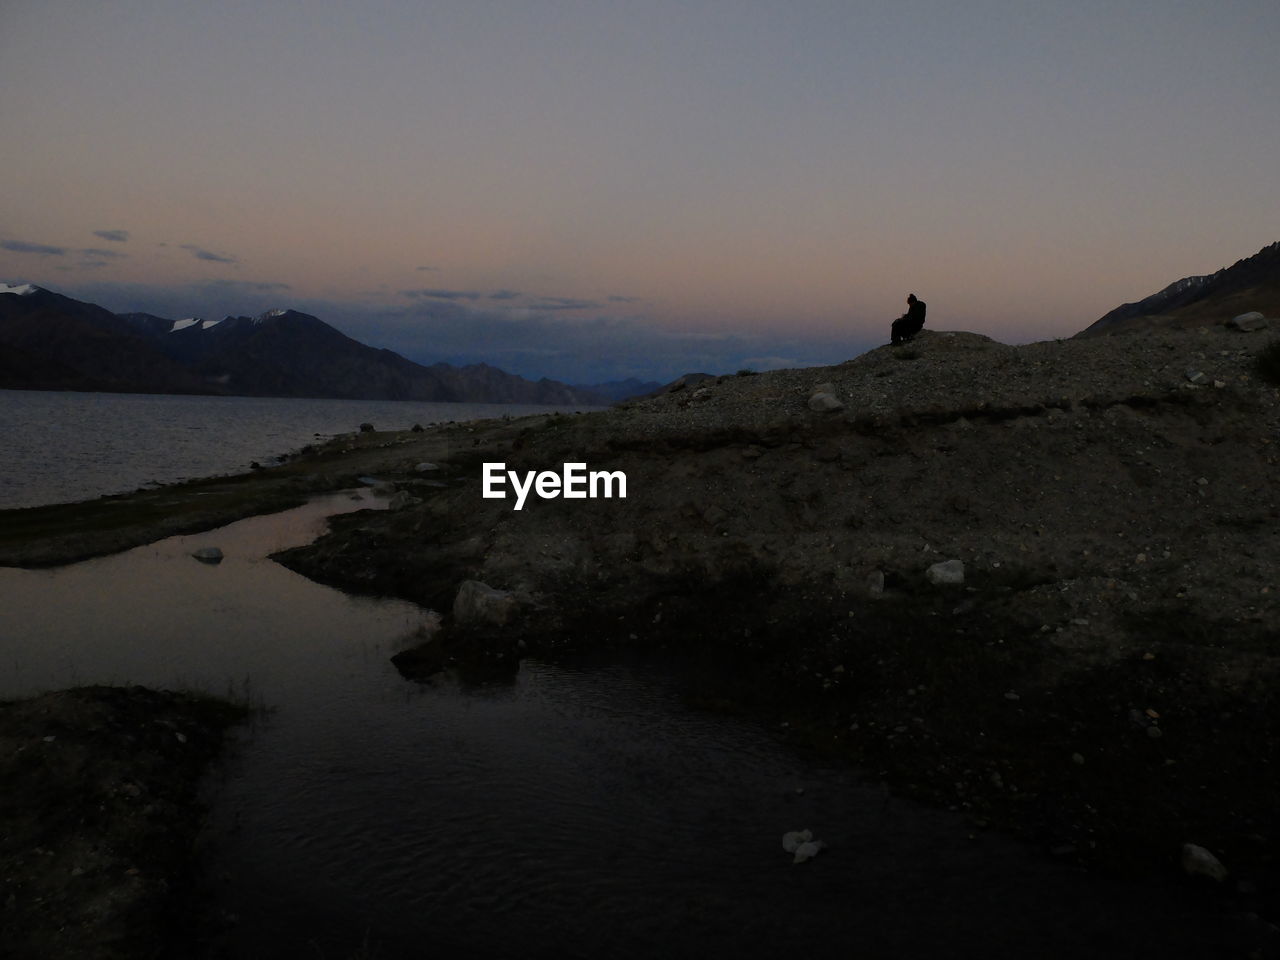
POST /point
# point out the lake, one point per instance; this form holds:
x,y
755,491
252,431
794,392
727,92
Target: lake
x,y
62,447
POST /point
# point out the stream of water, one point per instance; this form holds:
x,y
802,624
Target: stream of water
x,y
582,810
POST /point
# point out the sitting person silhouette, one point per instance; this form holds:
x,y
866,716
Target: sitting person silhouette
x,y
910,323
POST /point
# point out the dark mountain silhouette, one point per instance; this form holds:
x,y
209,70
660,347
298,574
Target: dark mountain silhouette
x,y
57,343
1247,285
616,391
52,342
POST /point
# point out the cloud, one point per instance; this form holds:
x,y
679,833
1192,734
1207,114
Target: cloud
x,y
92,264
443,294
505,295
201,254
564,303
257,286
430,269
23,246
575,346
617,299
115,236
107,254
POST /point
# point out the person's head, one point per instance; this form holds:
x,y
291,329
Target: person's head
x,y
911,298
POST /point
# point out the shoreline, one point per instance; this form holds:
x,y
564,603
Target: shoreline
x,y
57,534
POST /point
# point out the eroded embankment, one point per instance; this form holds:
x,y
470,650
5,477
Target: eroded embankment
x,y
1100,680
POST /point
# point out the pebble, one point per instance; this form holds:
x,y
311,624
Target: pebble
x,y
1197,861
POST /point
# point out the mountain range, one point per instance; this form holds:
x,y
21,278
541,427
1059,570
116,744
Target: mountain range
x,y
53,342
1248,285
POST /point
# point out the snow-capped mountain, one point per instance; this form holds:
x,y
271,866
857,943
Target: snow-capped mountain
x,y
52,342
1247,285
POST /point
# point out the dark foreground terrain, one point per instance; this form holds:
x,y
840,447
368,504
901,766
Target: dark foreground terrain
x,y
1093,669
1099,679
98,818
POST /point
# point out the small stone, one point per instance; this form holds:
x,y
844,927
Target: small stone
x,y
478,604
1077,759
402,499
425,467
1197,861
1202,481
1248,322
1010,695
824,403
714,515
875,583
366,428
948,571
1196,376
1155,733
207,554
802,844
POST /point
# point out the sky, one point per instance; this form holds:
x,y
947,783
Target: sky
x,y
596,189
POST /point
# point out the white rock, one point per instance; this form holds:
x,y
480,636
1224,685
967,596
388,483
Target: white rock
x,y
208,554
948,571
1248,321
802,844
824,402
791,841
425,467
1198,861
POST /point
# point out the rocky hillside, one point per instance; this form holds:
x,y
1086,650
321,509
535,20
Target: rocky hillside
x,y
1033,582
1248,286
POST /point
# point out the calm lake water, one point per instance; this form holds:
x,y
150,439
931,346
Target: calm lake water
x,y
63,447
581,810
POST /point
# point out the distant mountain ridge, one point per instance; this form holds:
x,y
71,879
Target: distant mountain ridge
x,y
53,342
1245,286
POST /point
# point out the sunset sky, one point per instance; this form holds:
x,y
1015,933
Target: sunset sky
x,y
593,189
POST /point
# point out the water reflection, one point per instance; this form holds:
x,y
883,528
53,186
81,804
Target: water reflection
x,y
582,810
156,616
